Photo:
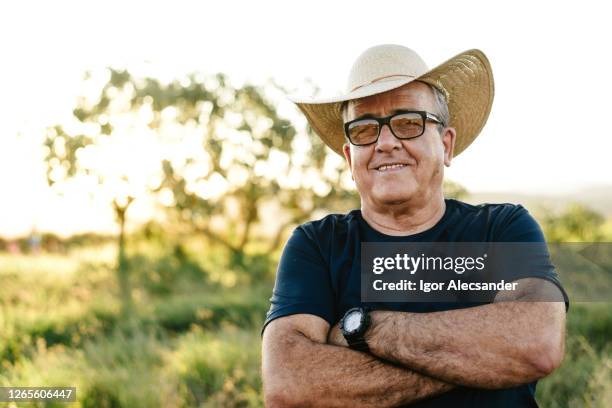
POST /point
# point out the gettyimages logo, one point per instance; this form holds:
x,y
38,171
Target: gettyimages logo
x,y
413,264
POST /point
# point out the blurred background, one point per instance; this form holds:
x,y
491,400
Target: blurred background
x,y
151,169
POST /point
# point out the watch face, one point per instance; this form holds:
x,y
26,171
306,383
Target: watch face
x,y
352,321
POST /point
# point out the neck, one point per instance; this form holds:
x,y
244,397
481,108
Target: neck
x,y
405,218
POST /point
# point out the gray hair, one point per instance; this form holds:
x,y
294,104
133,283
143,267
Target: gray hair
x,y
441,106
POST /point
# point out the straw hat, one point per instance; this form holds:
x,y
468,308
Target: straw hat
x,y
466,80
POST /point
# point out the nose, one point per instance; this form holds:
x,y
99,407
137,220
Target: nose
x,y
386,141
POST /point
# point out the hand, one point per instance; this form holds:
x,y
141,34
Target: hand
x,y
335,337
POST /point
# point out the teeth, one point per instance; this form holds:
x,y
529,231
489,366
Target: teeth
x,y
390,166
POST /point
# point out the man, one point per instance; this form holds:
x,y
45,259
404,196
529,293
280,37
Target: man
x,y
398,126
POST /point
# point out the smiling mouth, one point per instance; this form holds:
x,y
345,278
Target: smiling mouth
x,y
391,167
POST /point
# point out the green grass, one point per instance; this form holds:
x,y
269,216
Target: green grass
x,y
193,339
221,369
585,377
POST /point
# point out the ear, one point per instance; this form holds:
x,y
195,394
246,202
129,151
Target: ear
x,y
448,140
346,149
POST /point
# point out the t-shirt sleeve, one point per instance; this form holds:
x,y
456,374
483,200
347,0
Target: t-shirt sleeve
x,y
526,254
302,281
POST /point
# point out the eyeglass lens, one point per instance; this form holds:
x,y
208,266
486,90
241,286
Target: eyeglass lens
x,y
403,126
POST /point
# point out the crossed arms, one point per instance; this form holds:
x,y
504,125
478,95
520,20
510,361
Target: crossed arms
x,y
305,362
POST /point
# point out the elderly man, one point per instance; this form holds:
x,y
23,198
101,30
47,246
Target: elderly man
x,y
398,126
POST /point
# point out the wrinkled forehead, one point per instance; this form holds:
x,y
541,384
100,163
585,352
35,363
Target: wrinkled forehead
x,y
412,96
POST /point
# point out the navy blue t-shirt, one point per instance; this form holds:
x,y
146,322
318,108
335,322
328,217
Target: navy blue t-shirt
x,y
319,274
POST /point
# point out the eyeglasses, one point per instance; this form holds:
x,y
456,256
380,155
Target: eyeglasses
x,y
403,124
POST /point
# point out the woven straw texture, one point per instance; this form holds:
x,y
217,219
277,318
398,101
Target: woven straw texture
x,y
466,80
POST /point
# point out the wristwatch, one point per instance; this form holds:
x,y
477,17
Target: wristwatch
x,y
354,325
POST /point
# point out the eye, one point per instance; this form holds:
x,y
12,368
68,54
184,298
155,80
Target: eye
x,y
407,124
363,131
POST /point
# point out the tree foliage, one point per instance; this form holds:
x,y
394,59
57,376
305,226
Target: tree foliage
x,y
454,190
225,153
577,223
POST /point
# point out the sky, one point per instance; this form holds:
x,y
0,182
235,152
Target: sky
x,y
547,131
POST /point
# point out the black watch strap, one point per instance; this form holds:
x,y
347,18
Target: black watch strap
x,y
359,345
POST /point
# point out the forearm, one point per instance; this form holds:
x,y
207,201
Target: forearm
x,y
330,376
492,346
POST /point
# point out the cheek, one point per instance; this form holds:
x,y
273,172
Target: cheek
x,y
360,164
430,154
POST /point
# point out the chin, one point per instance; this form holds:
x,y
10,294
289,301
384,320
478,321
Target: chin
x,y
395,197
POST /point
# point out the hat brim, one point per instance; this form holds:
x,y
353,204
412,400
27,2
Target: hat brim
x,y
466,80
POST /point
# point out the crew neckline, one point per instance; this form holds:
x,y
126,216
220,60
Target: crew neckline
x,y
381,235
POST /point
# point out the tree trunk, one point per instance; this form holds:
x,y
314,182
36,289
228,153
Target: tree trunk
x,y
125,289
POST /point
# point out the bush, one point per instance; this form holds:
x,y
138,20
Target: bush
x,y
583,380
219,369
585,377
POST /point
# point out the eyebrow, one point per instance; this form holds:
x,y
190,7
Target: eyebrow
x,y
372,116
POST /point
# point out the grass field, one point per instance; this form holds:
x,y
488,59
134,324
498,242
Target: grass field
x,y
194,338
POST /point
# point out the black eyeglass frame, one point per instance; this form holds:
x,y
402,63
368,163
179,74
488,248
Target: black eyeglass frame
x,y
387,121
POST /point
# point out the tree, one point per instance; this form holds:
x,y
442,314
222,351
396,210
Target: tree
x,y
454,190
577,223
253,154
220,153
